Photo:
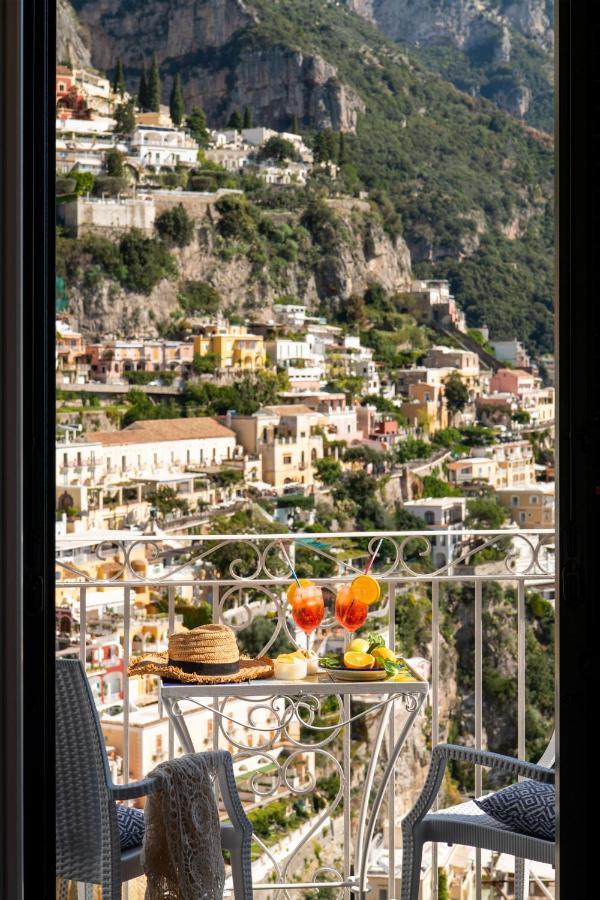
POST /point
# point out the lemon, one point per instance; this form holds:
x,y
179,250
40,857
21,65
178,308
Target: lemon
x,y
286,657
356,660
401,677
381,654
291,591
359,645
365,589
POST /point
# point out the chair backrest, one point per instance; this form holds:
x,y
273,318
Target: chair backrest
x,y
87,846
547,758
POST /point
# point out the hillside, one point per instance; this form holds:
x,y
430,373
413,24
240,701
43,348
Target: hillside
x,y
498,50
468,188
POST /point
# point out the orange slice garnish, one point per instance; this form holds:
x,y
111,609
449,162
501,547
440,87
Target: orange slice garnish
x,y
366,589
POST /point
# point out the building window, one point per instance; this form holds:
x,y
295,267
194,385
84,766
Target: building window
x,y
287,460
429,518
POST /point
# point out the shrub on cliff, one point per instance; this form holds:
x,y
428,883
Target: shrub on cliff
x,y
175,227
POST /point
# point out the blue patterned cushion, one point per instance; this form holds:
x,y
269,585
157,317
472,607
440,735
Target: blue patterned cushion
x,y
131,826
528,807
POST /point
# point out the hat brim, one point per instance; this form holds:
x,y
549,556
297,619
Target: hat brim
x,y
158,664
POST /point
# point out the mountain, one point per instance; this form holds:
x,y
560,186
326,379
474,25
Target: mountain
x,y
467,187
499,49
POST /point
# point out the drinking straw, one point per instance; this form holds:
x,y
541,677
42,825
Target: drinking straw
x,y
289,562
372,560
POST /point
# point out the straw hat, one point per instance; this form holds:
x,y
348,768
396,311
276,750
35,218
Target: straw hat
x,y
205,655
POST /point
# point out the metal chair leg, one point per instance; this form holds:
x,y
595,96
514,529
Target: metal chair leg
x,y
521,879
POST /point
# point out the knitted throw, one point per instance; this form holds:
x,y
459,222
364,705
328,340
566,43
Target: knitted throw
x,y
181,855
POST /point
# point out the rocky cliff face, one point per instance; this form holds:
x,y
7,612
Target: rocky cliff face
x,y
72,38
367,255
492,36
224,64
462,23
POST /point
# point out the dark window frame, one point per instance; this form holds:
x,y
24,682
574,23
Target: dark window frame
x,y
27,94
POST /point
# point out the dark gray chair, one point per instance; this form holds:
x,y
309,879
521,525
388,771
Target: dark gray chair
x,y
466,824
87,834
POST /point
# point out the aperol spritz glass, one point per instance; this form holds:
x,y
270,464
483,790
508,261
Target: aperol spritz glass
x,y
350,612
308,609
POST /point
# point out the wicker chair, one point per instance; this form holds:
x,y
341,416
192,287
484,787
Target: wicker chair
x,y
87,833
466,824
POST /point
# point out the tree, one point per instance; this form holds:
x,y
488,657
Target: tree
x,y
443,893
166,500
295,126
114,163
235,120
119,82
154,86
278,149
124,117
342,152
457,395
175,227
205,365
329,470
199,297
521,417
196,125
247,120
176,104
484,512
142,95
436,487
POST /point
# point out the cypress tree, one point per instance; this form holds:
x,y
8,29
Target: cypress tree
x,y
119,82
295,127
142,97
176,104
247,123
154,86
235,121
342,154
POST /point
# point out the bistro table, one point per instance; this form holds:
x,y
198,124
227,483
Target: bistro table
x,y
292,711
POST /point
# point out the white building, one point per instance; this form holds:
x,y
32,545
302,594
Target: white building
x,y
512,351
159,146
445,515
291,314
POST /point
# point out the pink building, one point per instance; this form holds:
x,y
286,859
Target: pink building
x,y
512,381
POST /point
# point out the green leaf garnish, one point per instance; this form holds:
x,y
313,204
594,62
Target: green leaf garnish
x,y
375,640
390,667
330,662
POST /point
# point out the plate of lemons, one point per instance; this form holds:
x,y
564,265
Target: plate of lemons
x,y
367,659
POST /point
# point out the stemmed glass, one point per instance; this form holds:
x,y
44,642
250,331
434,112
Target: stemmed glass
x,y
308,610
350,612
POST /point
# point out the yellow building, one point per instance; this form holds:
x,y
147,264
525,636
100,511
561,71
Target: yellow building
x,y
233,349
426,408
529,505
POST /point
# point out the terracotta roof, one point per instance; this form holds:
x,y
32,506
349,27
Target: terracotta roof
x,y
63,70
149,430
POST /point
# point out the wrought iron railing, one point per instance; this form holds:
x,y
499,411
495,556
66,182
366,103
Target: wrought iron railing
x,y
244,577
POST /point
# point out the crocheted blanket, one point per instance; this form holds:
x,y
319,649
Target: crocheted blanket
x,y
181,855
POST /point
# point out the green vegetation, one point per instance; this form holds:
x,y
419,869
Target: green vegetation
x,y
278,149
138,263
196,125
124,117
199,297
140,406
456,393
166,500
437,162
175,227
176,104
154,86
436,487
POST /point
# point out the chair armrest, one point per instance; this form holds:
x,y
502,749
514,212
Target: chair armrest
x,y
135,789
496,760
440,756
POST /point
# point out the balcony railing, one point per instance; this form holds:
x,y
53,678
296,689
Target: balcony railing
x,y
244,578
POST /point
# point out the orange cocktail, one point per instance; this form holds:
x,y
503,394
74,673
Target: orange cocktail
x,y
349,611
308,608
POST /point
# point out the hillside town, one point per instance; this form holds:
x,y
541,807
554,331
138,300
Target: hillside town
x,y
282,418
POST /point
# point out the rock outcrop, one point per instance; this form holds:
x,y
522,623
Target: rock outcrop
x,y
72,38
366,255
223,61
